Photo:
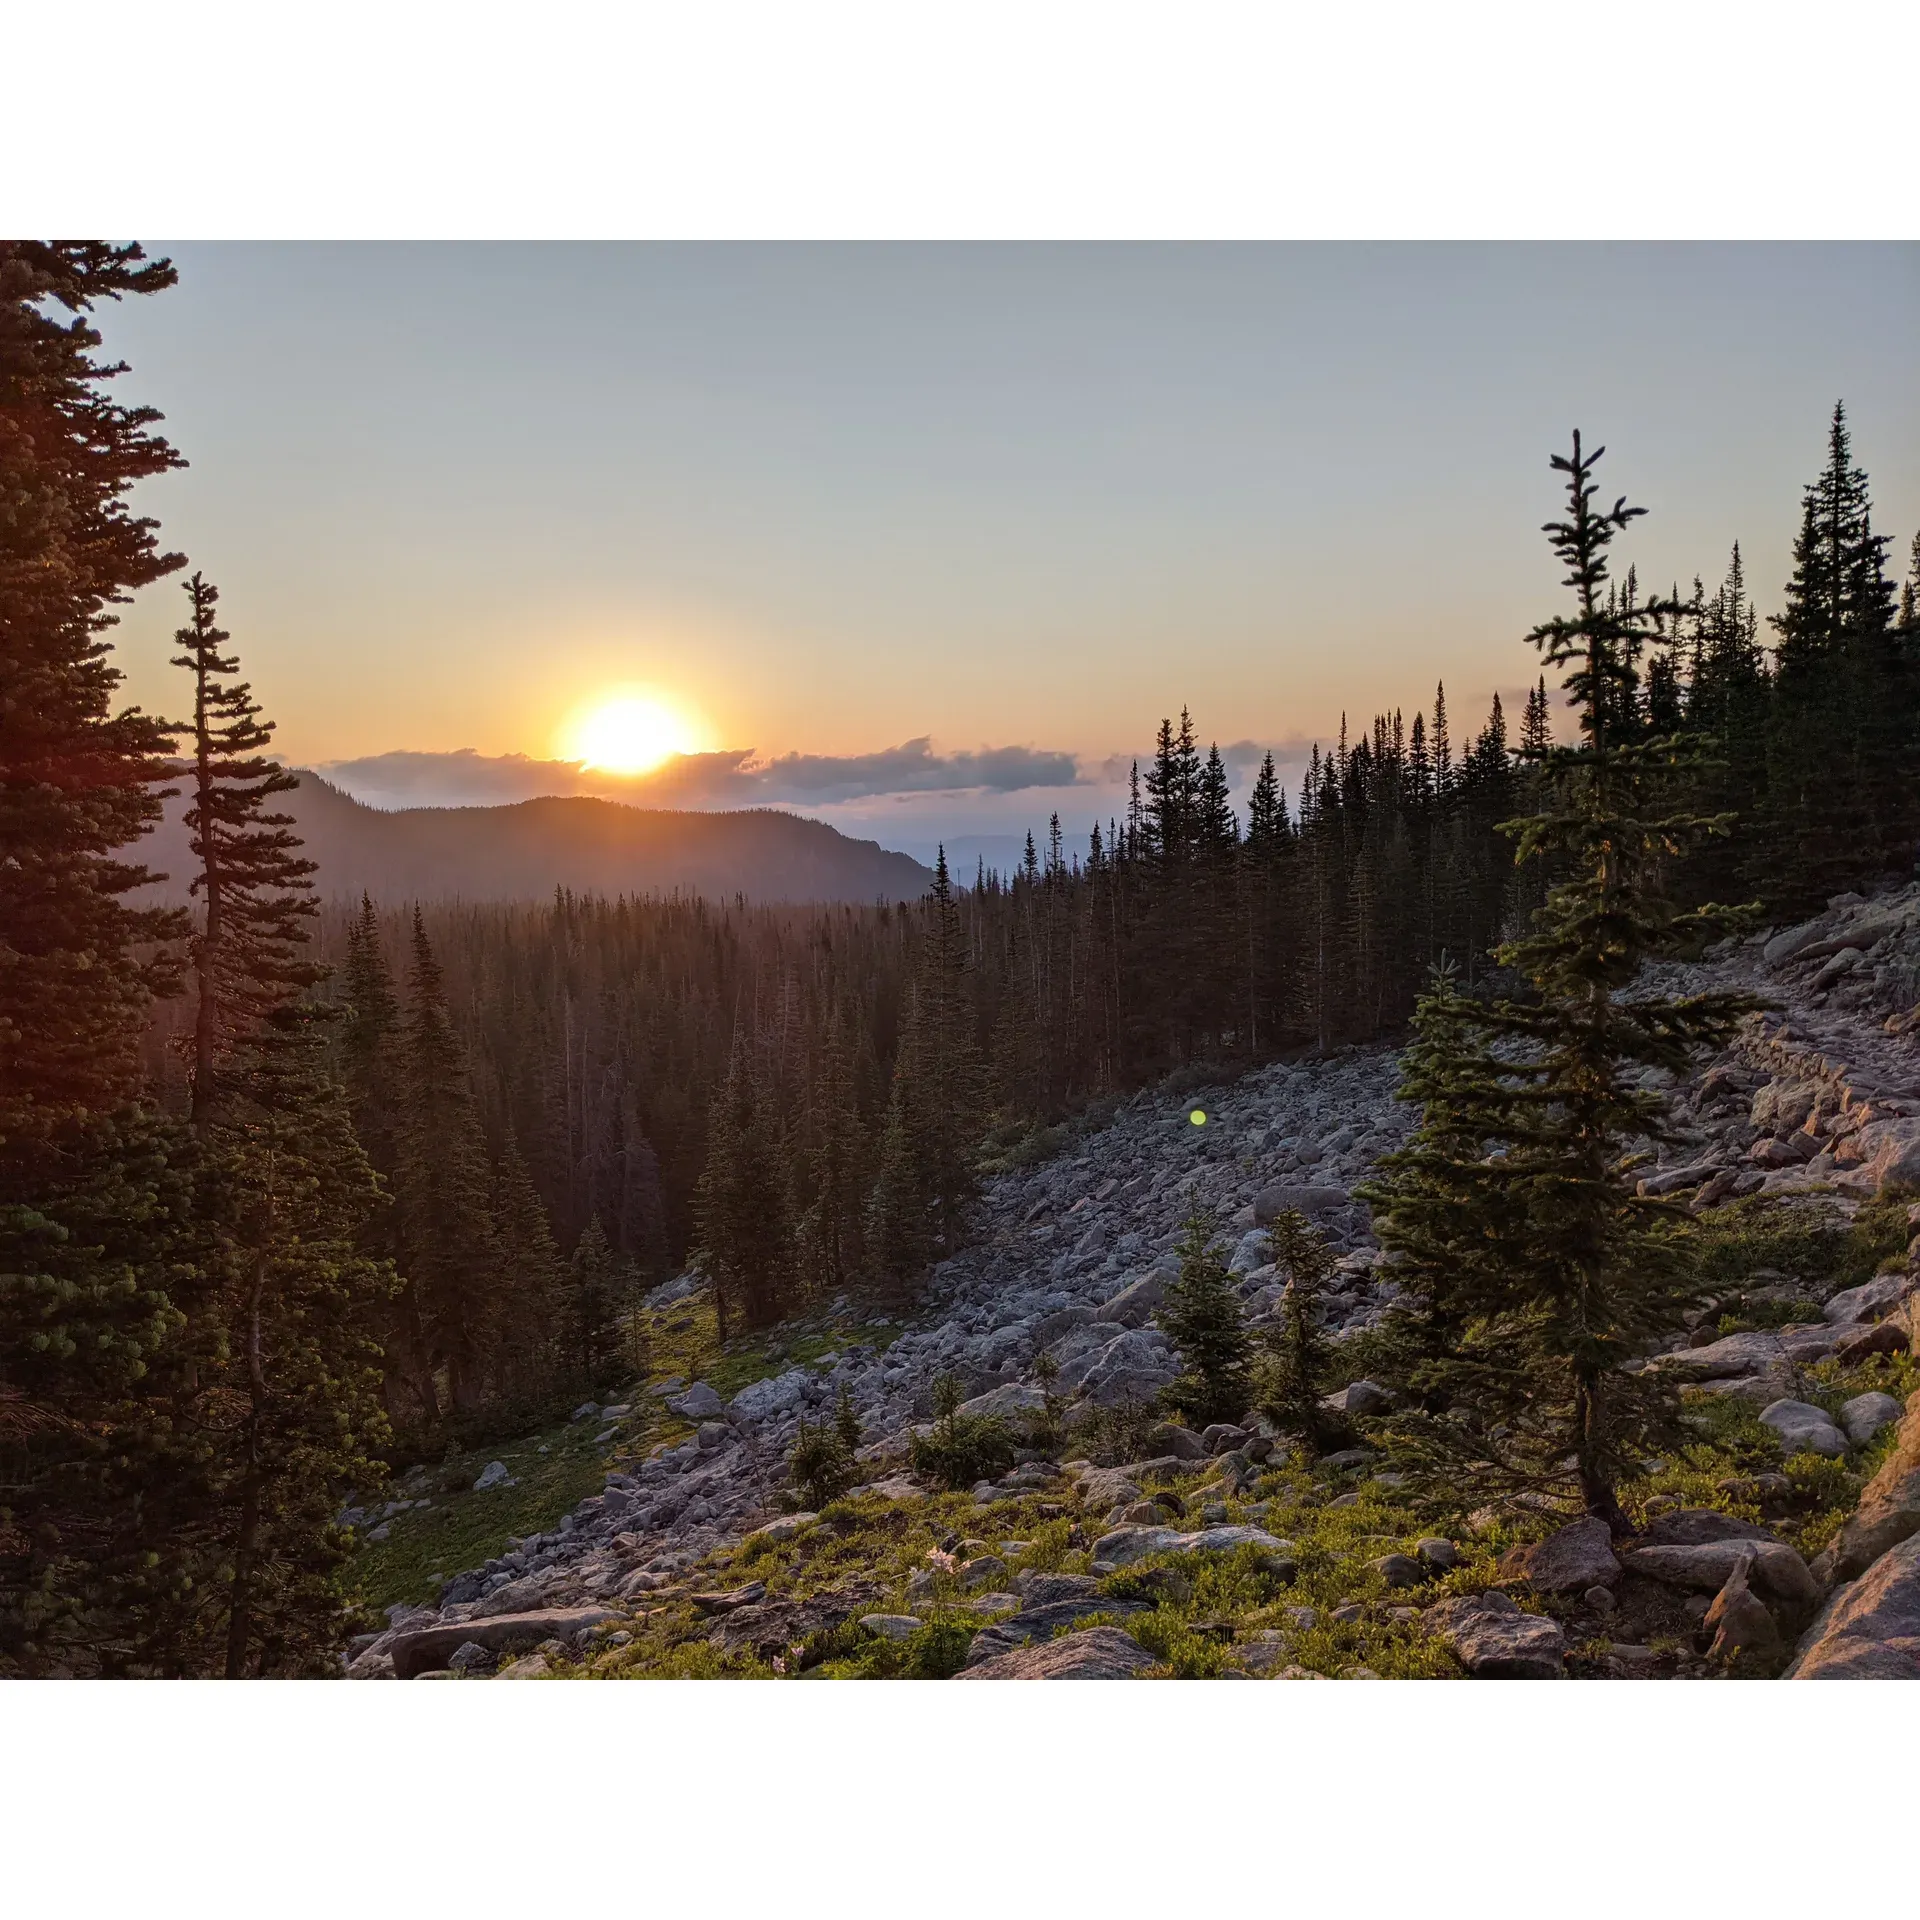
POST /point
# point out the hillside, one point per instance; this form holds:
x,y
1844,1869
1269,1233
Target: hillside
x,y
524,852
1104,1545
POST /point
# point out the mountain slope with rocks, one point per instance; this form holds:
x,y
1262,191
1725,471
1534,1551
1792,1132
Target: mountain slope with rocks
x,y
1107,1544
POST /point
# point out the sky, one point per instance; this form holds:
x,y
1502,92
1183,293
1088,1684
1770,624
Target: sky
x,y
925,539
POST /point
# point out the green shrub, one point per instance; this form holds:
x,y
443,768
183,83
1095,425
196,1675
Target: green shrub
x,y
964,1448
821,1464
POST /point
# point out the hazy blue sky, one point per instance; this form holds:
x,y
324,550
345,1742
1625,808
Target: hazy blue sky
x,y
833,499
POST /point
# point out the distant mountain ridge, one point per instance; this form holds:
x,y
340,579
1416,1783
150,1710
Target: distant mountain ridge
x,y
525,851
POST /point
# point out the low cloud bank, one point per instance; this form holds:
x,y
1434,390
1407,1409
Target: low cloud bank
x,y
734,778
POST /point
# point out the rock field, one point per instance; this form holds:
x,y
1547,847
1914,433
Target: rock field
x,y
1820,1098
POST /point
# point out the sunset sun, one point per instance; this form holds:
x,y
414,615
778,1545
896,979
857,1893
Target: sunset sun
x,y
631,733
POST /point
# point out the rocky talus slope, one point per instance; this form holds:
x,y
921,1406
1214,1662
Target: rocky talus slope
x,y
1122,1548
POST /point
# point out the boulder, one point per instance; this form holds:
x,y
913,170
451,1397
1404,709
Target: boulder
x,y
1182,1443
1271,1202
891,1626
1438,1553
767,1399
1776,1569
1494,1640
493,1474
1399,1569
1011,1400
1042,1621
1784,946
1738,1354
1569,1561
699,1402
1133,1305
732,1599
1358,1399
426,1649
1804,1428
1870,1630
1859,1305
1889,1509
1739,1619
1887,1153
1124,1545
783,1528
1863,1417
1696,1526
1101,1653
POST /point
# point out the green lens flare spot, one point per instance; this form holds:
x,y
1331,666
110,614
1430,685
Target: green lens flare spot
x,y
1198,1116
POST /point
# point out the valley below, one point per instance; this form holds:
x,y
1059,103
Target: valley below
x,y
660,1534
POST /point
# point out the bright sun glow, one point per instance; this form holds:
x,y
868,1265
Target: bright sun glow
x,y
631,733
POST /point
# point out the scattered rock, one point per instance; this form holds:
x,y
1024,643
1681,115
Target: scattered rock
x,y
1440,1554
1494,1640
1696,1526
471,1657
1133,1306
1870,1630
427,1648
1359,1399
891,1626
1569,1561
1804,1428
783,1528
699,1402
1100,1653
1399,1569
1271,1202
732,1600
1776,1568
1889,1509
1863,1417
493,1474
1739,1619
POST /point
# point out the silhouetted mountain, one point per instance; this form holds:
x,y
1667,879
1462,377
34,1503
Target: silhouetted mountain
x,y
590,846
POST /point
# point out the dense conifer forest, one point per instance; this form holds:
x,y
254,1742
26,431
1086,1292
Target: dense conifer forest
x,y
290,1187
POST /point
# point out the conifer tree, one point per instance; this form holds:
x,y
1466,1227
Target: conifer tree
x,y
1842,812
1201,1316
544,1337
278,1414
935,1109
449,1257
1293,1369
90,1201
1513,1211
740,1207
597,1303
248,953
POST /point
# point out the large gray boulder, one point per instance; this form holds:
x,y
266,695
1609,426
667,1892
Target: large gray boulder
x,y
1737,1355
1864,1416
1870,1630
1271,1202
699,1402
766,1399
427,1649
1124,1545
1570,1561
1857,1305
1101,1653
1494,1640
1776,1570
1886,1153
1804,1428
1889,1509
1134,1304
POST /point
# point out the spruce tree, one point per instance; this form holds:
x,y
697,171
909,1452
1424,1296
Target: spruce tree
x,y
1201,1316
597,1304
91,1199
248,953
277,1414
1513,1212
1842,811
1293,1369
740,1212
450,1261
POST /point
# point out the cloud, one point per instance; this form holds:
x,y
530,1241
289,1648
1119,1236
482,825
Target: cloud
x,y
700,780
